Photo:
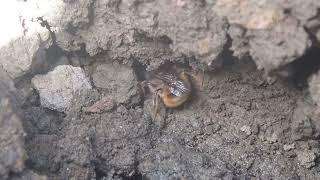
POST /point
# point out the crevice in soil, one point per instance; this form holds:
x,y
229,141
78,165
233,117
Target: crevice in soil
x,y
304,67
227,54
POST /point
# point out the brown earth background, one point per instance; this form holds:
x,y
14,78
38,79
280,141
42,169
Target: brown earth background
x,y
257,116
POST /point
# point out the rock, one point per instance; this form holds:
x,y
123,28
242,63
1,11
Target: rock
x,y
118,80
249,13
102,105
239,46
57,88
281,45
193,29
19,55
6,82
314,87
273,138
12,152
246,129
301,124
64,40
288,147
24,44
273,38
30,30
301,10
306,158
59,14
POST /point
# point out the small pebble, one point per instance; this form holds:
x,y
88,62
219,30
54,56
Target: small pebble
x,y
103,105
246,129
288,147
306,158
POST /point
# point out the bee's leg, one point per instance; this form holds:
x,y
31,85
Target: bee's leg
x,y
198,77
143,86
155,101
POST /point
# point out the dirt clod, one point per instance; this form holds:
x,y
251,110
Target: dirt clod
x,y
71,107
102,105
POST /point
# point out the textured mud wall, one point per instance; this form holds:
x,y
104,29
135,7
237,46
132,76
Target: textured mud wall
x,y
70,106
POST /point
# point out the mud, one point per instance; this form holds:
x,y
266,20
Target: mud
x,y
256,116
237,127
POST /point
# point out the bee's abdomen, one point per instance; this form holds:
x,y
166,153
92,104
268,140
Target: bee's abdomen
x,y
172,101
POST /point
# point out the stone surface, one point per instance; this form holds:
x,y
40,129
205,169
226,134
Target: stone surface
x,y
314,87
57,87
288,147
246,129
274,38
24,45
118,81
18,56
193,30
306,158
250,13
273,49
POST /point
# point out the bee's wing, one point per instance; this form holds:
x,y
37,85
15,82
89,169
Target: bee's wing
x,y
176,86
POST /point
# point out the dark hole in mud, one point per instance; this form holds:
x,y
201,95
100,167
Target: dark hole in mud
x,y
227,54
303,67
140,70
142,73
228,59
287,11
165,40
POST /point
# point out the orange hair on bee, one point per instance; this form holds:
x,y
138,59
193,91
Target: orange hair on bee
x,y
170,100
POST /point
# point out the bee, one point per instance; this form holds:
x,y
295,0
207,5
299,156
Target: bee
x,y
171,86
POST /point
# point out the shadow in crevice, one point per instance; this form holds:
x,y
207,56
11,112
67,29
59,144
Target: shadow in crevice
x,y
43,60
304,67
227,54
140,70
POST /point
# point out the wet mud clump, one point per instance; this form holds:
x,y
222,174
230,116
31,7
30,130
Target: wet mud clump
x,y
72,106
